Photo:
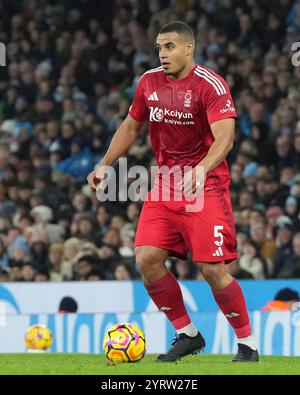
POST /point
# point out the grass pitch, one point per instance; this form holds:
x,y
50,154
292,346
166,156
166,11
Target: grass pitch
x,y
86,364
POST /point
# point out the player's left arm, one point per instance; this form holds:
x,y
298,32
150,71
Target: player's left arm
x,y
220,112
223,132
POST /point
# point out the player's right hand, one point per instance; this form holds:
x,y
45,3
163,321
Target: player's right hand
x,y
97,176
92,180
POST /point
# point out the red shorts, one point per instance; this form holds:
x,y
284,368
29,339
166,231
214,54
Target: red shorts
x,y
209,234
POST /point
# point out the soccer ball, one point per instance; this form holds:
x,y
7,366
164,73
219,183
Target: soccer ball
x,y
124,342
38,337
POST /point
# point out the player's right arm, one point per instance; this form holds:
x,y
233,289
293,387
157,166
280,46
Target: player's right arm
x,y
124,136
120,143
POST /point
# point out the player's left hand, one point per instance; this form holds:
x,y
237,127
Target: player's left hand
x,y
194,180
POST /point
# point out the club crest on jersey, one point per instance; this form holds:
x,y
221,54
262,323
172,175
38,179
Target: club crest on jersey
x,y
188,99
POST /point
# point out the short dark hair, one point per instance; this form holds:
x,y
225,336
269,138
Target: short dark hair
x,y
287,294
68,305
179,27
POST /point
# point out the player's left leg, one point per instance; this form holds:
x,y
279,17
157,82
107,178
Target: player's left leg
x,y
229,297
210,236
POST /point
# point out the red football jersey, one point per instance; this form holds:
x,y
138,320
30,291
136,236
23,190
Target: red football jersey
x,y
180,113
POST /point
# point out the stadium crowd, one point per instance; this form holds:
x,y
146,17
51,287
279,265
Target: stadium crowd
x,y
72,68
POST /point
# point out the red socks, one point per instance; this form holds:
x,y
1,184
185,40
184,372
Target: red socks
x,y
167,296
232,303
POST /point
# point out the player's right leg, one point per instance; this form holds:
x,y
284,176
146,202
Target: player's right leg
x,y
164,290
156,238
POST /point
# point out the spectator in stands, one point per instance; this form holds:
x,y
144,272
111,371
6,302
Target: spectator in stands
x,y
39,249
122,272
4,275
235,270
67,305
28,272
283,300
86,228
95,274
267,248
103,219
15,271
291,209
55,253
291,266
71,247
41,275
19,252
182,269
272,214
4,259
84,267
284,229
112,237
252,261
127,235
250,174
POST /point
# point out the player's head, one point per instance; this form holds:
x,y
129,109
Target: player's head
x,y
175,43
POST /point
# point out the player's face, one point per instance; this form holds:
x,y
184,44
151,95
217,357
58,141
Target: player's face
x,y
174,52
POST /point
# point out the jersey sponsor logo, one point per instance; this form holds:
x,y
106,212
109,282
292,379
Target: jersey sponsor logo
x,y
153,97
228,107
158,115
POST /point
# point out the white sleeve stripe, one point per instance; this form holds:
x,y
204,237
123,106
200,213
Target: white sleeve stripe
x,y
210,81
154,70
151,71
209,74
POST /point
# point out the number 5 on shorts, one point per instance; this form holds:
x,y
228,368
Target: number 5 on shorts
x,y
218,235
